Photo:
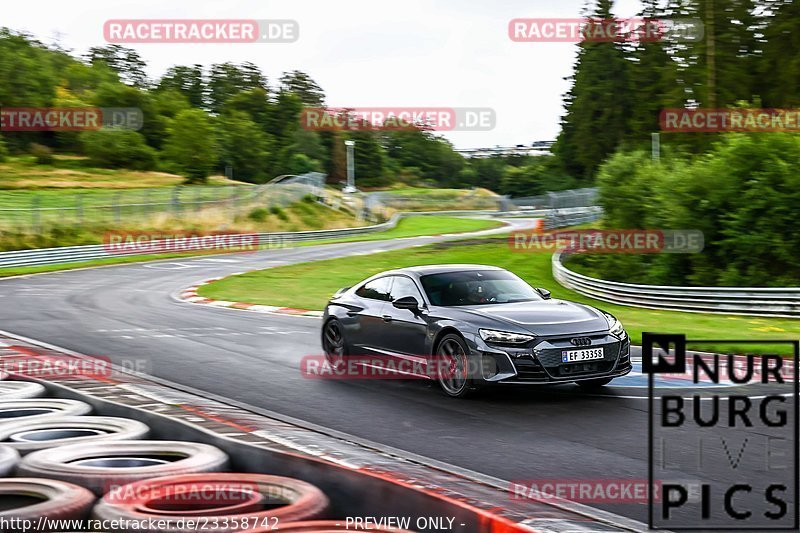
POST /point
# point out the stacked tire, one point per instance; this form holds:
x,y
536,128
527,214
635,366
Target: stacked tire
x,y
69,464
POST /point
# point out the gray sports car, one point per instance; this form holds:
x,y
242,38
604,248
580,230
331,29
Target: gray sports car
x,y
469,326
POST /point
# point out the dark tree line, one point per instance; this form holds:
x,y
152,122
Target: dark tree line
x,y
749,54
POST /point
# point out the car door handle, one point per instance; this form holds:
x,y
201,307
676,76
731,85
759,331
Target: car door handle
x,y
387,318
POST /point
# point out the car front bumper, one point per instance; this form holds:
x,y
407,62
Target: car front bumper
x,y
539,362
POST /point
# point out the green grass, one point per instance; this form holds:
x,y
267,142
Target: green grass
x,y
419,226
76,173
435,199
309,285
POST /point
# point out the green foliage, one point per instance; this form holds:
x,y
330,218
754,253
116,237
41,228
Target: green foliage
x,y
227,80
537,176
301,164
742,196
118,148
245,147
126,62
279,212
3,150
305,88
190,147
42,153
259,214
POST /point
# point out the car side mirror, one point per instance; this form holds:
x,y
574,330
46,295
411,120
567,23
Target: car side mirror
x,y
406,302
544,292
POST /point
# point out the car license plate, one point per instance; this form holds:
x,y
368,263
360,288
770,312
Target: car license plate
x,y
576,356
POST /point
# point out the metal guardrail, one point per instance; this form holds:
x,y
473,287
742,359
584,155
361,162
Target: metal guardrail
x,y
73,254
760,301
91,252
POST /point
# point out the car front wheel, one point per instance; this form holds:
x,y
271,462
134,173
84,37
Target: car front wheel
x,y
452,362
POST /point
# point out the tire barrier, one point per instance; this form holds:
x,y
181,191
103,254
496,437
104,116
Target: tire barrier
x,y
33,410
32,499
9,457
20,390
232,499
322,526
359,481
28,437
104,466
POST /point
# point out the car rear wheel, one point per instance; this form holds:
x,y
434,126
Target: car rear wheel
x,y
452,363
594,383
333,343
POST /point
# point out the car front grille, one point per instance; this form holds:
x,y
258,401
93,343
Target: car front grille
x,y
544,363
529,370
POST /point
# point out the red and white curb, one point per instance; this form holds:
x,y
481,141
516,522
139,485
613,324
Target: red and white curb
x,y
190,295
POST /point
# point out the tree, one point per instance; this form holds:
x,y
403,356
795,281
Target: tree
x,y
537,176
654,80
302,164
118,148
154,126
187,80
596,107
126,62
227,80
779,72
245,147
301,84
190,148
368,158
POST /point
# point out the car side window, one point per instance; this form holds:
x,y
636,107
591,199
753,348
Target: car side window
x,y
377,289
403,286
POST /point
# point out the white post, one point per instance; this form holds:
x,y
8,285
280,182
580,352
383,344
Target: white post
x,y
351,171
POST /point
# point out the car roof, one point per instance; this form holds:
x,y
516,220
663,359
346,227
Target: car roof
x,y
424,270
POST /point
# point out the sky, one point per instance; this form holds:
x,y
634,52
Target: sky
x,y
372,53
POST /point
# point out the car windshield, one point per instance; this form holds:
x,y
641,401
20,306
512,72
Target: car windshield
x,y
477,287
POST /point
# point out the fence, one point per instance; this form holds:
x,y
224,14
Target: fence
x,y
72,254
33,212
557,200
776,302
434,200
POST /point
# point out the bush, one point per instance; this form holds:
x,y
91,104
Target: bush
x,y
190,148
278,212
742,195
118,148
259,214
43,154
3,150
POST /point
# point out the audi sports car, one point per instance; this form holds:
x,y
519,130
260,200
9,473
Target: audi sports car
x,y
476,326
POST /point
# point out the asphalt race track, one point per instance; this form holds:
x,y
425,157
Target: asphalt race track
x,y
129,314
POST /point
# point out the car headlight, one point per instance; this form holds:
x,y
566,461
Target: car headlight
x,y
615,327
504,337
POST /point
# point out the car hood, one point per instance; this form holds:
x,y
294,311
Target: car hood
x,y
547,317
